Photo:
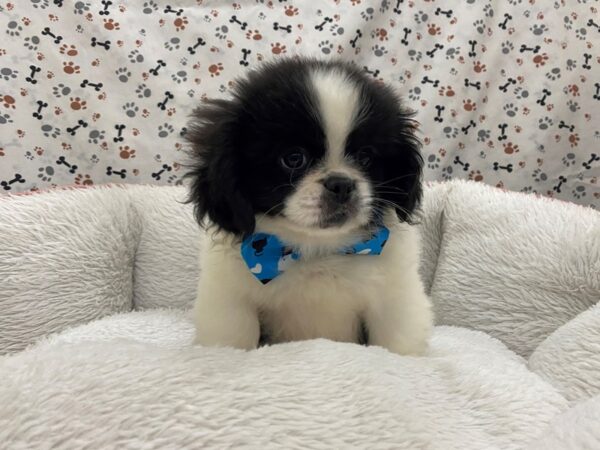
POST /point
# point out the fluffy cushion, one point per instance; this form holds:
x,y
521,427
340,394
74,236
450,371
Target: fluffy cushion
x,y
66,257
104,385
514,266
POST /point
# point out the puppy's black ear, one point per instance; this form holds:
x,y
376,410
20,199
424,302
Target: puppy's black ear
x,y
214,169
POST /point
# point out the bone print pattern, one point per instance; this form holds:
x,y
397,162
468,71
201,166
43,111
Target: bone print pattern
x,y
506,92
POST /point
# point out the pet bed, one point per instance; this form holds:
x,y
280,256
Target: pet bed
x,y
101,356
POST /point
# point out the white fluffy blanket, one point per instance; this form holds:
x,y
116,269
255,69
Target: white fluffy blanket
x,y
524,272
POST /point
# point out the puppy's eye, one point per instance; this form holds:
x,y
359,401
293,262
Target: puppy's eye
x,y
364,157
295,159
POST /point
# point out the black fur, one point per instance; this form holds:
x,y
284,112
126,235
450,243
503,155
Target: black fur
x,y
237,143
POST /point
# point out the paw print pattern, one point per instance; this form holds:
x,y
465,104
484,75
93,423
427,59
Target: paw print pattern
x,y
507,82
46,173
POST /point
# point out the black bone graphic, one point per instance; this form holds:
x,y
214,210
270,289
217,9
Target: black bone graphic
x,y
591,23
562,124
177,12
426,80
397,9
504,87
502,128
524,49
105,44
106,4
31,78
47,32
439,11
7,184
476,85
561,180
160,63
80,123
287,28
41,105
110,171
472,52
63,161
245,53
586,65
542,101
192,49
407,31
234,19
165,167
431,52
465,165
375,72
163,105
466,129
119,129
353,41
439,109
326,20
96,86
596,96
507,17
508,167
588,164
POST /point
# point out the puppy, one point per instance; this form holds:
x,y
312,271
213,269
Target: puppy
x,y
309,177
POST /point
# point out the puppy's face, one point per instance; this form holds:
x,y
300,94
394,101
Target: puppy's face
x,y
314,145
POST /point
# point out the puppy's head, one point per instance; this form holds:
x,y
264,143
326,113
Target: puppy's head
x,y
317,146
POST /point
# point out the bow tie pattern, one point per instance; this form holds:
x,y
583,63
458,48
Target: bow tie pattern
x,y
267,257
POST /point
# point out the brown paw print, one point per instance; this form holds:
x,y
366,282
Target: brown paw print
x,y
446,91
254,35
573,89
95,62
540,60
381,34
510,148
180,23
38,150
468,105
83,180
69,50
478,67
215,69
76,104
277,48
574,139
291,11
433,29
8,101
125,152
110,25
2,152
70,68
475,175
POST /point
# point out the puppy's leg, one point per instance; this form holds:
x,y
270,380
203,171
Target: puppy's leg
x,y
223,318
401,321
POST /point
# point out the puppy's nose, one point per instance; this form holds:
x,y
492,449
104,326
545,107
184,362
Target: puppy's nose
x,y
340,186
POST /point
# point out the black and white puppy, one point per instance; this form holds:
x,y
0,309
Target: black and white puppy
x,y
321,156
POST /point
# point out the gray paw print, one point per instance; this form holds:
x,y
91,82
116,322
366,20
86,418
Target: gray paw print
x,y
447,173
49,130
61,90
538,30
96,136
488,10
515,2
571,65
573,106
143,91
135,56
569,159
94,159
123,74
527,190
325,47
131,109
150,7
367,14
31,42
221,32
414,55
538,175
13,28
81,7
421,17
45,173
42,4
483,135
507,47
385,5
554,74
452,52
379,50
173,43
568,22
521,92
179,76
336,30
545,122
433,161
4,119
511,109
450,132
165,130
579,192
30,156
581,33
414,93
479,26
7,73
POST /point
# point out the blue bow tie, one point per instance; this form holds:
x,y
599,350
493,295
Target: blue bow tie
x,y
267,257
